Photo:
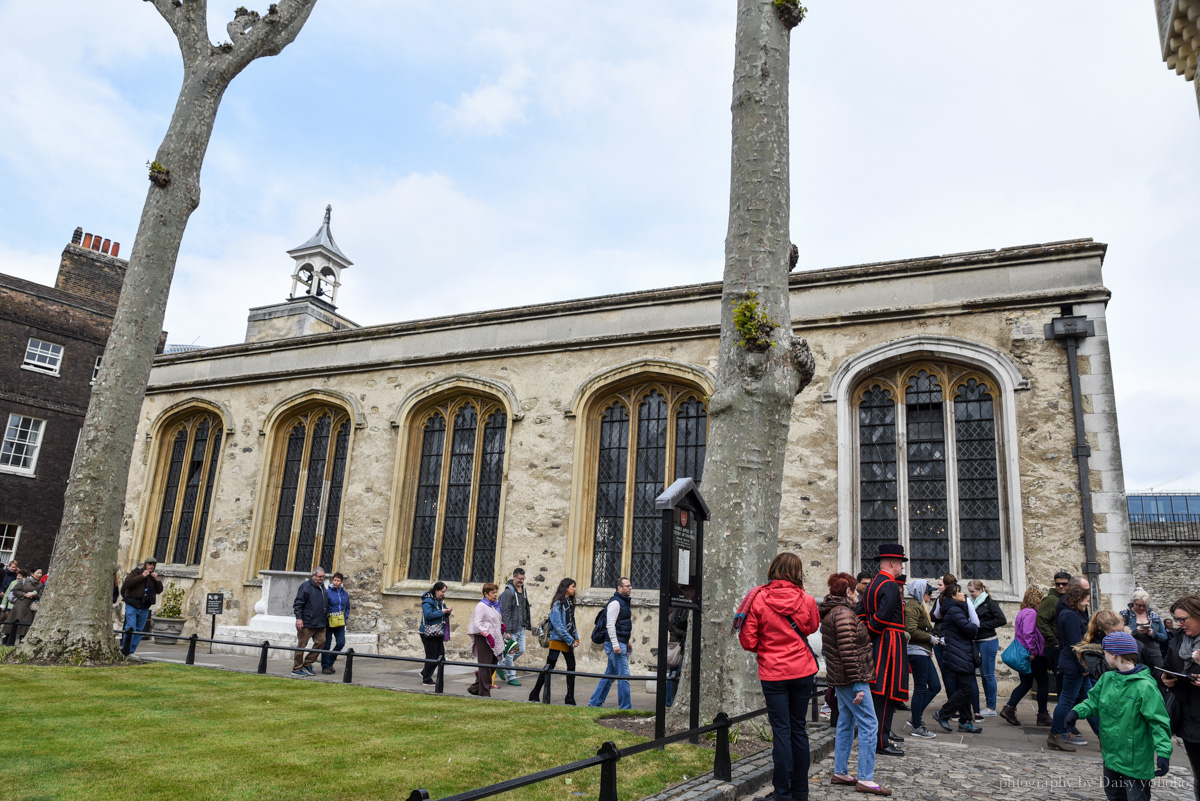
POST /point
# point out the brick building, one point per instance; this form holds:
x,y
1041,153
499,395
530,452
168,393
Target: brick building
x,y
51,341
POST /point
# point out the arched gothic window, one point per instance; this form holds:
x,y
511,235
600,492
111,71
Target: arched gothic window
x,y
457,465
188,456
308,474
643,438
929,469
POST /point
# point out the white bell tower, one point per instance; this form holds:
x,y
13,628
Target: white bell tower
x,y
319,265
311,307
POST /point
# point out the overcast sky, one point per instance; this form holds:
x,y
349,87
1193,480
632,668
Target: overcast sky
x,y
497,154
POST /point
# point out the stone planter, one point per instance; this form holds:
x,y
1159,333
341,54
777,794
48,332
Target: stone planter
x,y
166,625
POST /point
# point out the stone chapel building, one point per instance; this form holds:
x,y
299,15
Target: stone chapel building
x,y
460,447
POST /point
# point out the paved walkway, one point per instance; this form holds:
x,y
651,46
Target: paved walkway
x,y
1001,763
392,675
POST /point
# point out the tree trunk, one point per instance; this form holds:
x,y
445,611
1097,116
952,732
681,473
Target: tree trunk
x,y
750,410
73,625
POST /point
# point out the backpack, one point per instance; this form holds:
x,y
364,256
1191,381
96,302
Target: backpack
x,y
600,630
543,633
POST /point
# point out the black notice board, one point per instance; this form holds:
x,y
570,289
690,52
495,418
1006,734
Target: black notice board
x,y
214,603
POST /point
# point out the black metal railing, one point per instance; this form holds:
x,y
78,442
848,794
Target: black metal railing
x,y
1158,527
607,758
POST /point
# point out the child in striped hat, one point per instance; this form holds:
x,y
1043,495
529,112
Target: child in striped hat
x,y
1134,725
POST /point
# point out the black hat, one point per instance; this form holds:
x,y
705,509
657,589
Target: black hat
x,y
891,551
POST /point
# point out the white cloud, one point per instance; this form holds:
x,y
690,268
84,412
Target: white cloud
x,y
492,108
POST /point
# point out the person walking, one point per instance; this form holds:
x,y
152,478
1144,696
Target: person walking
x,y
514,612
487,632
339,617
921,641
1071,622
939,646
435,623
1183,657
1047,624
564,639
883,612
1147,628
1131,713
618,617
849,670
7,598
24,592
774,621
140,590
1027,633
991,617
311,609
958,659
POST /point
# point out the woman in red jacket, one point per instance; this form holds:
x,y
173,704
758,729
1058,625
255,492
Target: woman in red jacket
x,y
778,617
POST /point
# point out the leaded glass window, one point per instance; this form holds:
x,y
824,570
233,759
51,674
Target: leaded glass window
x,y
929,470
187,472
669,426
309,475
458,478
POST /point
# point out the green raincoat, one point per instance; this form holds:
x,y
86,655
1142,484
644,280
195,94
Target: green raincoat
x,y
1133,721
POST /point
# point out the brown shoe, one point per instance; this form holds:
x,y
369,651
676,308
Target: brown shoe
x,y
862,787
1060,741
1044,719
1009,715
835,779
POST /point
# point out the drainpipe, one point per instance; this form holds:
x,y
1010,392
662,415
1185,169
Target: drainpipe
x,y
1069,330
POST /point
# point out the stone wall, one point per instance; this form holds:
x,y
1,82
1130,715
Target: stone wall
x,y
1165,571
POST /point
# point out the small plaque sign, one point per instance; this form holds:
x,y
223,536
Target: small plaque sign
x,y
214,603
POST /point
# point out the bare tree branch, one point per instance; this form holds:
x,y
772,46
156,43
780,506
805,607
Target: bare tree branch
x,y
189,23
256,36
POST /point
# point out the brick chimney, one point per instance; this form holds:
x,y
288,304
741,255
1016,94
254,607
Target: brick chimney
x,y
90,267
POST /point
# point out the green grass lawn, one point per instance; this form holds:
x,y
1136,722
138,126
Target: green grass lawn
x,y
166,732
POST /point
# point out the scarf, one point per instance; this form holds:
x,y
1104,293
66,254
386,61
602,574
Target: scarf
x,y
977,600
494,604
1187,645
743,609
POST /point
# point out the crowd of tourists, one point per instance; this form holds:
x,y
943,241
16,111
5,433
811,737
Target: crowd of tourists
x,y
1132,674
20,594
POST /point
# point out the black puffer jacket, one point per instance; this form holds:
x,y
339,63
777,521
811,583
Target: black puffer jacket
x,y
958,655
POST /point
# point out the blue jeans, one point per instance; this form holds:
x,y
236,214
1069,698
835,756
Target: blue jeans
x,y
672,683
987,671
618,665
787,701
333,635
1075,686
508,660
863,714
925,686
135,619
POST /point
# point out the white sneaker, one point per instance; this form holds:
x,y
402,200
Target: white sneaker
x,y
987,713
825,711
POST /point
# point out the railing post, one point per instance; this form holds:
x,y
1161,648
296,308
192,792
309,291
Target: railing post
x,y
262,657
439,685
348,673
191,654
608,771
722,767
126,641
546,686
418,795
816,716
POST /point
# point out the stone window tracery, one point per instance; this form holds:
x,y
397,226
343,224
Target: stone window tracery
x,y
929,469
189,455
458,450
644,437
307,479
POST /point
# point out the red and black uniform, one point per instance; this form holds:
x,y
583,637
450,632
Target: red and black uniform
x,y
883,612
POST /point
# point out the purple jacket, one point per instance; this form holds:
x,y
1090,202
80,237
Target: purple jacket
x,y
1027,632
